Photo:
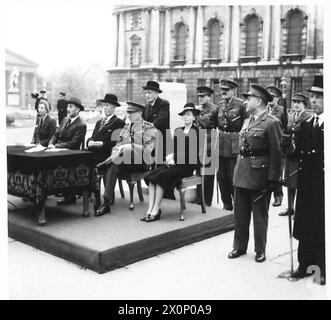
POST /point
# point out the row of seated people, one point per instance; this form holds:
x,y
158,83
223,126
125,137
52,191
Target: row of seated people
x,y
113,141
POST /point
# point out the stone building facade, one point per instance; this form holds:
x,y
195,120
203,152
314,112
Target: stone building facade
x,y
198,45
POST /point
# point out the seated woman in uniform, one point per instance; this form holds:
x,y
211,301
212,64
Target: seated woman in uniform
x,y
179,164
45,125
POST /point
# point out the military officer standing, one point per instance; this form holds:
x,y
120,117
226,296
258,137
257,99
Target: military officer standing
x,y
309,222
231,113
291,164
207,120
61,107
277,111
257,173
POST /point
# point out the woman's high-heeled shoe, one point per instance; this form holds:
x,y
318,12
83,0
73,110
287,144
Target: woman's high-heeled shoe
x,y
151,218
144,218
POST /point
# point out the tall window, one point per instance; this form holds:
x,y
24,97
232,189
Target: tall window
x,y
135,53
295,27
252,33
214,39
180,42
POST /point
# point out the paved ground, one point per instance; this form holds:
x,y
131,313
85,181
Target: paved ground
x,y
198,271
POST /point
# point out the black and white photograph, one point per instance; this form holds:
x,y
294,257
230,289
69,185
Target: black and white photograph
x,y
164,151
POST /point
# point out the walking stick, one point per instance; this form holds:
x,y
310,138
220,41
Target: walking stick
x,y
287,274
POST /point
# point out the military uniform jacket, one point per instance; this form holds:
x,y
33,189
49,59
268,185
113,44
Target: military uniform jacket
x,y
141,135
230,120
263,137
207,119
108,133
309,224
278,112
294,125
69,136
44,130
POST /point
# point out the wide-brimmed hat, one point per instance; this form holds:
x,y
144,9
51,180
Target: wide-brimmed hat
x,y
152,85
76,102
134,107
189,107
300,97
259,92
228,84
317,85
203,90
274,90
111,98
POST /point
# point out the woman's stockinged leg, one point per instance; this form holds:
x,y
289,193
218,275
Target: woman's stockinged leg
x,y
159,191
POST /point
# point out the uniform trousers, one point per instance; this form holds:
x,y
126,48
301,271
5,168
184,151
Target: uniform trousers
x,y
225,180
244,205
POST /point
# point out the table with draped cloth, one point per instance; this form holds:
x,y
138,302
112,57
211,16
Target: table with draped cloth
x,y
36,175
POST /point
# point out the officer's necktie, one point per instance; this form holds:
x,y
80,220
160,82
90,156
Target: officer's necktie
x,y
316,124
103,123
68,123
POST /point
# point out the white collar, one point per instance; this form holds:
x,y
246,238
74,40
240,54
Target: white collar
x,y
320,118
109,117
73,119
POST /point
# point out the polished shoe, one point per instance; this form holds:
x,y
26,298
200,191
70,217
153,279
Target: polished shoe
x,y
66,200
236,254
152,218
286,213
260,257
298,274
103,209
144,218
277,202
322,281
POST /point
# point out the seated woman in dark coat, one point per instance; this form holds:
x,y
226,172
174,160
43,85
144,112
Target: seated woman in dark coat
x,y
45,125
178,165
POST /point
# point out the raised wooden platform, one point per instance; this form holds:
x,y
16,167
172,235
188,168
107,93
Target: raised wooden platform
x,y
116,239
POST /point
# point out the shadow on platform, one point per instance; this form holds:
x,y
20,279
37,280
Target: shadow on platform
x,y
116,239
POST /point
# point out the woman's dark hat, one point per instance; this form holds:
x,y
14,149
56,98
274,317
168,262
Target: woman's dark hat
x,y
259,92
134,107
62,93
189,107
111,99
76,102
317,85
152,85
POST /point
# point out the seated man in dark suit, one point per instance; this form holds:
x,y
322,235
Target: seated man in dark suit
x,y
70,134
45,125
104,134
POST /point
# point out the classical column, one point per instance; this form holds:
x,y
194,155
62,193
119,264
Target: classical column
x,y
199,36
191,45
319,31
277,31
155,41
147,36
121,41
167,38
235,33
227,33
266,33
115,43
22,88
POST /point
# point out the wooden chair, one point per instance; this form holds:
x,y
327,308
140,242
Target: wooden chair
x,y
195,180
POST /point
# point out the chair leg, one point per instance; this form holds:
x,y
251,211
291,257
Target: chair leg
x,y
131,188
140,192
202,195
182,204
120,184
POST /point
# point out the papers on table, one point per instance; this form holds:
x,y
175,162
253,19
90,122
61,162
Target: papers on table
x,y
37,148
55,149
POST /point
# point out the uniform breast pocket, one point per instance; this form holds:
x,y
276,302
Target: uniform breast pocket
x,y
260,163
256,139
235,144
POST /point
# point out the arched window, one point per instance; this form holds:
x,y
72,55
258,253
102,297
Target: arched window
x,y
214,39
252,35
180,42
295,26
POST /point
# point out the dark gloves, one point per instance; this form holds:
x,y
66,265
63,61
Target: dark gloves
x,y
286,144
273,185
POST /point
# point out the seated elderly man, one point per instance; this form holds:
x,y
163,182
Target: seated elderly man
x,y
132,152
45,126
70,135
